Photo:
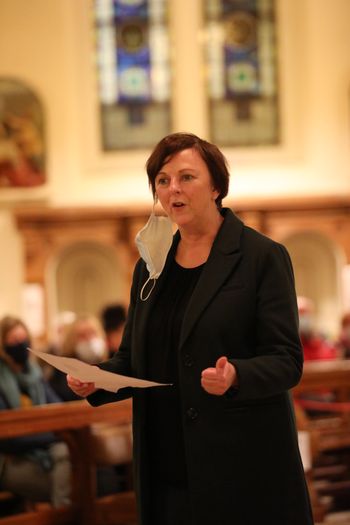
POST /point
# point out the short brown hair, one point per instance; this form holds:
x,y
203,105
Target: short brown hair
x,y
212,156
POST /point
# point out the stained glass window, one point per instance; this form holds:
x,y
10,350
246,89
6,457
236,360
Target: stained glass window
x,y
134,72
241,71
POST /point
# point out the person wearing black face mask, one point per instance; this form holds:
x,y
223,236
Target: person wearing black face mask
x,y
18,351
34,467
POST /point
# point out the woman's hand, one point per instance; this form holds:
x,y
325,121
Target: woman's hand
x,y
80,388
219,379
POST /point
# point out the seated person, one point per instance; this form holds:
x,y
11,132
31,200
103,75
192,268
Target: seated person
x,y
84,339
315,346
344,337
35,467
113,320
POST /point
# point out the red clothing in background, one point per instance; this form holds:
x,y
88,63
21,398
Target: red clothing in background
x,y
316,348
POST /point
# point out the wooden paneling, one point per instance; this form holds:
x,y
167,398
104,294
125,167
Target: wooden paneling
x,y
47,232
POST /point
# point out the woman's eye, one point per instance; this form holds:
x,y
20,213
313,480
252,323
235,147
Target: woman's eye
x,y
161,181
187,176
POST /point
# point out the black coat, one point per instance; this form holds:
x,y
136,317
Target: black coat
x,y
242,456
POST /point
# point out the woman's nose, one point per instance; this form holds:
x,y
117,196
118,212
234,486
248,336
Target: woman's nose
x,y
174,185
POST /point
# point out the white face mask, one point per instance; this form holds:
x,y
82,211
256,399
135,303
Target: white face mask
x,y
153,242
91,351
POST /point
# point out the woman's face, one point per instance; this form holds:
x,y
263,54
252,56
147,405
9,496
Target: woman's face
x,y
185,189
90,346
16,335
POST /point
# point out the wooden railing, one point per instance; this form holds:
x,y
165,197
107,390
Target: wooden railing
x,y
328,428
73,422
330,374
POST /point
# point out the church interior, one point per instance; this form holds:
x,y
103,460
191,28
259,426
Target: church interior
x,y
87,88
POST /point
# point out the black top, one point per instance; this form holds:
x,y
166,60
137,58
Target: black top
x,y
164,423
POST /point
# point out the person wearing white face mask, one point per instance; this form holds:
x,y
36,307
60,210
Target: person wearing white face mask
x,y
212,312
84,339
315,346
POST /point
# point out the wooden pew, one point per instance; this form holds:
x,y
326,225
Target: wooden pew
x,y
73,421
332,374
334,428
329,428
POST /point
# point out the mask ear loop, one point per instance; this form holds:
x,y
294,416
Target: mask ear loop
x,y
144,286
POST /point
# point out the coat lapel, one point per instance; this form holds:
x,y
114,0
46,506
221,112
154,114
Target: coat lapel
x,y
223,259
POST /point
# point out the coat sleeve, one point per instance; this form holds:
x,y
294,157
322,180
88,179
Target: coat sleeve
x,y
120,363
278,358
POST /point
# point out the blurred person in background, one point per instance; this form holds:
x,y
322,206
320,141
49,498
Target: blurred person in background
x,y
343,342
315,345
85,340
61,323
35,467
113,318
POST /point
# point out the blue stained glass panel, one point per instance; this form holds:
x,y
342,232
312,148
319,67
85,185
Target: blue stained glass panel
x,y
134,72
241,71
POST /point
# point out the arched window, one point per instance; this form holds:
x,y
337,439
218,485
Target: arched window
x,y
88,277
318,264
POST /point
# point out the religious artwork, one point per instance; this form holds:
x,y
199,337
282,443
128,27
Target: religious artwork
x,y
240,47
132,52
22,147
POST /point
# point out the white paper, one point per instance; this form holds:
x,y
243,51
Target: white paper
x,y
88,373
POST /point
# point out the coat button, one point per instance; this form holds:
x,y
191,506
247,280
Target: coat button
x,y
188,360
192,413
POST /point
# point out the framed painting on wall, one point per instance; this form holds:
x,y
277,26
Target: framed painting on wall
x,y
22,143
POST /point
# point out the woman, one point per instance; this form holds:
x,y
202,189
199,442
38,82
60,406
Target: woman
x,y
35,467
220,324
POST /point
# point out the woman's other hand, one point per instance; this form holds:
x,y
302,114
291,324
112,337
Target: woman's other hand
x,y
80,388
218,380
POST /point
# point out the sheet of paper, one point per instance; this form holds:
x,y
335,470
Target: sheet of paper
x,y
84,372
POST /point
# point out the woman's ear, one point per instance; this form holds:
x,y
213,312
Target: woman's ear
x,y
216,193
